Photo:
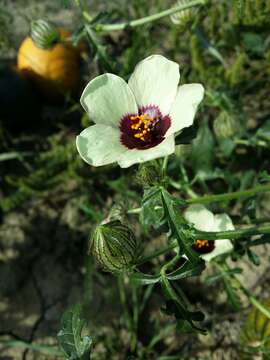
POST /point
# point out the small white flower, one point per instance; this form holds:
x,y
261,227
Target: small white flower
x,y
136,122
205,220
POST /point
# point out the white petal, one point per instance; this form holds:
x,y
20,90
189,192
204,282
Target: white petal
x,y
154,82
131,157
184,107
222,222
200,217
221,247
107,98
99,145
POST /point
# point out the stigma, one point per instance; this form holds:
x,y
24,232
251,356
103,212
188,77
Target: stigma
x,y
145,129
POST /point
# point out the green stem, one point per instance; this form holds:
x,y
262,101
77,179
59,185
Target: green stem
x,y
220,197
135,319
85,14
148,19
165,280
244,142
250,296
232,234
169,265
229,196
157,253
164,165
218,235
123,300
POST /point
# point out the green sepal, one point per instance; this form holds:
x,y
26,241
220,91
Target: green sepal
x,y
44,34
114,246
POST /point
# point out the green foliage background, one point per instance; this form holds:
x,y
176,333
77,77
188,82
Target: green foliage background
x,y
225,45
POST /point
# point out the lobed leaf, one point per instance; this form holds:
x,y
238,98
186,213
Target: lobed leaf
x,y
73,345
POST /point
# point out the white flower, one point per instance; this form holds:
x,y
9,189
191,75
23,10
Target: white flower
x,y
205,220
136,122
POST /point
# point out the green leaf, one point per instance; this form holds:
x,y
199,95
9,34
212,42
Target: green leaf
x,y
232,294
264,176
202,155
144,279
220,275
176,305
253,257
74,346
99,49
254,43
186,135
178,225
152,215
264,131
265,239
188,269
227,146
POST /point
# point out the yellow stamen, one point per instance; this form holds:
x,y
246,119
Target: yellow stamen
x,y
143,125
202,243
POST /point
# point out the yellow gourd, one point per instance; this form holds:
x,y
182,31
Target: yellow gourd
x,y
49,60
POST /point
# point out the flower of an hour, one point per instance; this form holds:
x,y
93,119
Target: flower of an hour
x,y
136,121
205,220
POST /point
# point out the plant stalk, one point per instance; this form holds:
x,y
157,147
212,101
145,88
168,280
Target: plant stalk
x,y
207,199
148,19
230,196
217,235
232,234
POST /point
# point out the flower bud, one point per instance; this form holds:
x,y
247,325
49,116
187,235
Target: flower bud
x,y
150,174
44,33
225,126
114,246
183,17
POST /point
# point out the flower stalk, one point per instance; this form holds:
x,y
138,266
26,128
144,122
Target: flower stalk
x,y
207,199
217,235
230,196
142,21
233,234
85,13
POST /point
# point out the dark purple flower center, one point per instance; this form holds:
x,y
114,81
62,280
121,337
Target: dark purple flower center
x,y
203,246
145,129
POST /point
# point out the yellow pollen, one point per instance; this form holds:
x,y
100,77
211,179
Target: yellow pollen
x,y
202,243
143,125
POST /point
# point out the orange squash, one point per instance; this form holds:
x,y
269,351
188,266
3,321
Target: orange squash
x,y
50,60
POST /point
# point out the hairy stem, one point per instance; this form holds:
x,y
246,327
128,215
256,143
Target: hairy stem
x,y
165,280
207,199
233,234
157,253
217,235
148,19
87,17
230,196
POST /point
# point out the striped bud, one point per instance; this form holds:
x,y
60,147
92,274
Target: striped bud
x,y
183,17
44,34
114,246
